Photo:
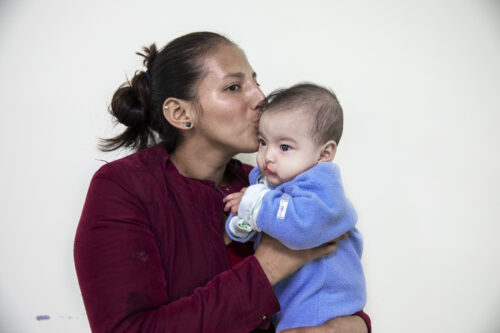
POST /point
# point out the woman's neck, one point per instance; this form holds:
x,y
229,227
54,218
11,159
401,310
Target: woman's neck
x,y
200,162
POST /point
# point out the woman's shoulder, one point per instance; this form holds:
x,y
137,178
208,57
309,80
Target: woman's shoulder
x,y
144,163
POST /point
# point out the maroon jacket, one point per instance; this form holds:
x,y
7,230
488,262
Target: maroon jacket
x,y
150,255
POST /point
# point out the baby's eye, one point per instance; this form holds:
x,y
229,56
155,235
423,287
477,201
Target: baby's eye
x,y
233,87
285,147
262,142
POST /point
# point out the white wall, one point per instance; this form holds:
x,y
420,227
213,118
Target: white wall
x,y
420,85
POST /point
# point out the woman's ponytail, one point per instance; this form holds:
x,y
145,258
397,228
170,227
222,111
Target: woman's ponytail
x,y
130,106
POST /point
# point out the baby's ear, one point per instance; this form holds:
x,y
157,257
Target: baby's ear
x,y
328,151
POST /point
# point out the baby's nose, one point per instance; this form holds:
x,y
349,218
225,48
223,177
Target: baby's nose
x,y
269,155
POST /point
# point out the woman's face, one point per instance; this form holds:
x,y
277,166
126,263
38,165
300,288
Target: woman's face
x,y
229,96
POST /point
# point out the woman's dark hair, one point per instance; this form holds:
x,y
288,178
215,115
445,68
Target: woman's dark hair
x,y
172,72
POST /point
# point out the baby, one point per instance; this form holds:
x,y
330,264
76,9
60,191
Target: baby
x,y
296,196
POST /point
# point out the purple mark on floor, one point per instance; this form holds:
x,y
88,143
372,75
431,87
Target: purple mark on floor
x,y
43,317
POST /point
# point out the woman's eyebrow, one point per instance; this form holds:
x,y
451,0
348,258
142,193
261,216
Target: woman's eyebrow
x,y
240,75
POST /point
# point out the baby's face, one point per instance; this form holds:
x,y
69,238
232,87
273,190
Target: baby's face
x,y
286,147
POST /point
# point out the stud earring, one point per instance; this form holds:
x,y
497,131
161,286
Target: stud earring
x,y
188,124
166,107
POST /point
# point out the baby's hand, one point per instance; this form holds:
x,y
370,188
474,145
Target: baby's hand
x,y
232,201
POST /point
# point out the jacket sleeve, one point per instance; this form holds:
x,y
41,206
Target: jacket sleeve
x,y
308,211
121,276
250,237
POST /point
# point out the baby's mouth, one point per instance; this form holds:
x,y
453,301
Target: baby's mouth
x,y
269,171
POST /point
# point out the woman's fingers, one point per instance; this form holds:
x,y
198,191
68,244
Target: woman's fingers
x,y
328,248
344,236
334,242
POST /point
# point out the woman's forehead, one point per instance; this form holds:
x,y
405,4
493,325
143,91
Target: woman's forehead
x,y
227,61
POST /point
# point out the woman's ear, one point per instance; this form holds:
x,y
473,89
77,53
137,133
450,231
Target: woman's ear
x,y
179,113
328,151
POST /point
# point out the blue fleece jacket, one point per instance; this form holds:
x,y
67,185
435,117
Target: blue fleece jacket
x,y
306,212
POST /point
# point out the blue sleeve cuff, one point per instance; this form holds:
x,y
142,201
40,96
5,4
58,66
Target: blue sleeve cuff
x,y
250,236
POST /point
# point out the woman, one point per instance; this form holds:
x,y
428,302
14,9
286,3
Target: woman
x,y
150,251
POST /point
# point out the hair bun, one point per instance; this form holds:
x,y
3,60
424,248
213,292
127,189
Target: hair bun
x,y
130,104
127,108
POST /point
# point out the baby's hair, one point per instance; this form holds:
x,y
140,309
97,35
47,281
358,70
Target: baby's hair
x,y
321,103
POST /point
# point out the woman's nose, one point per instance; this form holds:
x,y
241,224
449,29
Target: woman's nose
x,y
257,98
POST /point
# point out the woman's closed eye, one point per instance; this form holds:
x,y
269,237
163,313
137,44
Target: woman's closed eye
x,y
233,87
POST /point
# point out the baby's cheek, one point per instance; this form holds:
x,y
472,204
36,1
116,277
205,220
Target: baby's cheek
x,y
260,162
274,180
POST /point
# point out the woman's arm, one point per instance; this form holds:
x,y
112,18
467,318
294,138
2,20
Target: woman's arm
x,y
121,274
278,262
123,283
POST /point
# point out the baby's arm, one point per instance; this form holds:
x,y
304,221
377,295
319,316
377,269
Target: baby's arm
x,y
242,227
309,211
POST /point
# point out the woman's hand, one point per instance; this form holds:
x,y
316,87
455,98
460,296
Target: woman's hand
x,y
348,324
278,261
232,201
